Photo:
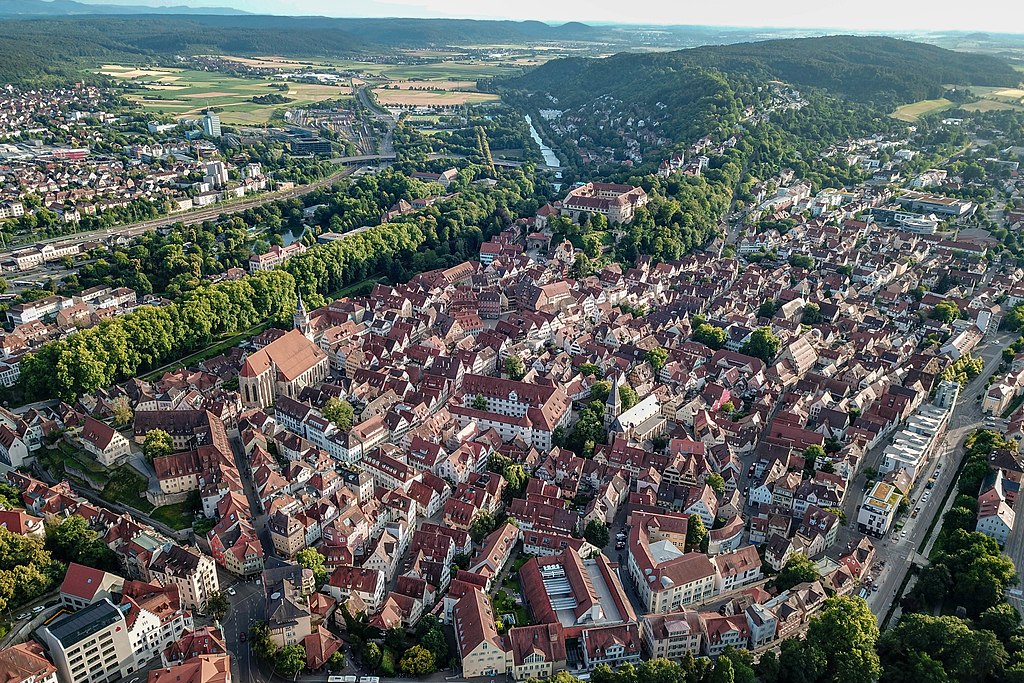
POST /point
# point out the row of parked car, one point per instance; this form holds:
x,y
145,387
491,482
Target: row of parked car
x,y
35,610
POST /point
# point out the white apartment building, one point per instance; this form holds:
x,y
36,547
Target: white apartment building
x,y
194,573
90,646
878,509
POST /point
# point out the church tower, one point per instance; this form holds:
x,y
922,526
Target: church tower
x,y
301,320
613,404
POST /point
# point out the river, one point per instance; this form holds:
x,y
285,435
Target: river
x,y
549,156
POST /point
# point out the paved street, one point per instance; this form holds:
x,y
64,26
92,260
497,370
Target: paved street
x,y
899,551
246,607
198,216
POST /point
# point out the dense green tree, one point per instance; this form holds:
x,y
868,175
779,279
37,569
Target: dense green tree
x,y
482,525
217,605
372,655
517,478
722,671
157,443
599,390
959,518
762,344
71,540
709,335
339,412
943,648
627,396
433,639
596,533
310,558
716,482
845,632
290,660
697,536
798,569
418,661
514,368
657,357
945,311
767,309
336,662
812,454
1002,619
122,412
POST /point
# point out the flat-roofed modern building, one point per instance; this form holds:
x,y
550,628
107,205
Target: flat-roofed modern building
x,y
878,509
91,645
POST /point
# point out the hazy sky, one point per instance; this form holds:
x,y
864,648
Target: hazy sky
x,y
985,15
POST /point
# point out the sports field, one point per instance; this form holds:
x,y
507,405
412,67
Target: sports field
x,y
184,93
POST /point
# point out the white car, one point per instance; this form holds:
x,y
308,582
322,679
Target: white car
x,y
23,615
231,591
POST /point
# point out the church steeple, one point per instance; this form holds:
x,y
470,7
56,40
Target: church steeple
x,y
301,320
613,404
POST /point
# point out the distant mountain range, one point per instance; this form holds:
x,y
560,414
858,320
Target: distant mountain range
x,y
66,8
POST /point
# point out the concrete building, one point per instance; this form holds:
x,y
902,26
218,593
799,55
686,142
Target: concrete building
x,y
878,509
90,646
194,573
84,586
211,125
672,636
947,394
913,445
214,668
663,574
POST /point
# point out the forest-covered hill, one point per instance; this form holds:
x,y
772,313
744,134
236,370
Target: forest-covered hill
x,y
869,69
60,46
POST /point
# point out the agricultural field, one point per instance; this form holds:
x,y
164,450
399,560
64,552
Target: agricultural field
x,y
990,105
996,99
447,66
915,110
426,98
184,93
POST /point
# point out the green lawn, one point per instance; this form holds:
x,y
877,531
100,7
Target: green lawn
x,y
360,288
174,516
80,459
128,487
223,344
